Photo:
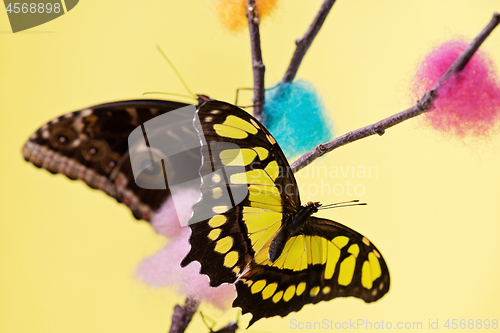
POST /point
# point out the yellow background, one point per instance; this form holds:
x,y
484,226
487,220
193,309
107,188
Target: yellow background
x,y
68,253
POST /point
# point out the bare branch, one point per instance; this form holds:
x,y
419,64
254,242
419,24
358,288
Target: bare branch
x,y
182,315
423,105
305,42
257,63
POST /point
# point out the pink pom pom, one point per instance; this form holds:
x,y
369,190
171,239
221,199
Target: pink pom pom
x,y
169,218
164,269
468,103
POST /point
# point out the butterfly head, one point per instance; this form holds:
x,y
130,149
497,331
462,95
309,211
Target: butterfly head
x,y
202,99
313,206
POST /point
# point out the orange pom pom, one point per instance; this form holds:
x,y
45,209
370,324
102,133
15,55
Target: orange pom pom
x,y
232,13
265,7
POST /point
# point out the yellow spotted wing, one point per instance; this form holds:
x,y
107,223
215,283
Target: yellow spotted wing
x,y
327,260
231,239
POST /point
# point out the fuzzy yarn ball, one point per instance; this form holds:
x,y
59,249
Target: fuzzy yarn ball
x,y
294,113
468,103
164,269
168,221
232,13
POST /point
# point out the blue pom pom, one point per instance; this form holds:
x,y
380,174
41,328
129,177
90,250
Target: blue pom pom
x,y
297,118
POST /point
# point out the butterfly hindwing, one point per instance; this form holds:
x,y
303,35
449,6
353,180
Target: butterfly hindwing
x,y
92,145
327,260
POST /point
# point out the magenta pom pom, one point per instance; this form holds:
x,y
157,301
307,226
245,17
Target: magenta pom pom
x,y
468,103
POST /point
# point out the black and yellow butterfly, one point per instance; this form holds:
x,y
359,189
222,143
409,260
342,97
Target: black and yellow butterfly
x,y
267,243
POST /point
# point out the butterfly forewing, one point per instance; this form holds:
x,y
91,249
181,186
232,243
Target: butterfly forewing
x,y
92,145
239,156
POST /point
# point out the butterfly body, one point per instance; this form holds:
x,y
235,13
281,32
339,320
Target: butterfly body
x,y
292,228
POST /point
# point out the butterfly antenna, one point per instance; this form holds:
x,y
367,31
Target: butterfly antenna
x,y
175,70
343,204
357,204
340,203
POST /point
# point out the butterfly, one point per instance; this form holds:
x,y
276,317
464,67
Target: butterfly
x,y
250,227
92,145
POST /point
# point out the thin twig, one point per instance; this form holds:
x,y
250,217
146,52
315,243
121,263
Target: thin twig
x,y
305,42
257,63
182,315
423,105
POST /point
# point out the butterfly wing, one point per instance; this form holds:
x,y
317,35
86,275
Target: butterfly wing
x,y
92,145
327,260
239,154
